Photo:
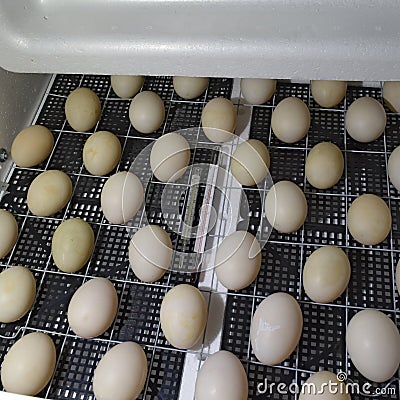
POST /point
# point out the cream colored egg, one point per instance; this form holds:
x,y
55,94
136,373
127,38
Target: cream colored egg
x,y
290,120
150,253
328,93
238,260
218,120
126,86
32,146
365,120
398,277
82,109
326,274
29,364
101,153
49,193
169,157
324,165
189,87
369,219
276,328
286,207
17,293
147,112
121,197
373,343
8,232
394,168
391,95
250,162
221,377
93,308
72,245
183,316
121,373
257,91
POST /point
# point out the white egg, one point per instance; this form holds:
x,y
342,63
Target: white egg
x,y
49,193
286,207
221,377
126,86
328,93
150,253
169,157
369,220
146,112
391,95
398,277
365,120
17,293
121,197
189,87
257,91
93,308
183,316
373,343
276,328
218,120
238,260
394,168
8,232
29,364
121,373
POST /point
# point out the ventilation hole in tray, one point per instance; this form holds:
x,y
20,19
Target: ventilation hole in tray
x,y
99,84
284,90
287,164
63,85
392,132
326,126
219,87
260,124
183,115
355,92
162,85
52,115
115,117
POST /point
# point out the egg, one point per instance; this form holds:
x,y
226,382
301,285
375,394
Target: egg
x,y
324,165
121,373
276,328
218,120
29,364
221,377
8,232
150,253
93,308
238,260
183,316
250,162
328,93
82,109
365,120
126,86
72,245
326,274
391,95
17,293
373,343
32,146
189,87
101,153
169,157
121,197
290,120
394,168
398,277
49,193
146,112
286,207
369,220
257,91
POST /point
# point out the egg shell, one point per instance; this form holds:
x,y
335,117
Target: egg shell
x,y
257,91
398,277
221,377
373,343
394,168
121,197
189,87
17,293
250,162
183,316
82,109
126,86
72,245
8,232
328,93
238,260
276,328
121,373
49,193
391,95
169,157
29,364
93,308
150,253
32,146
